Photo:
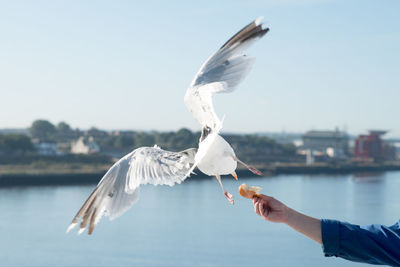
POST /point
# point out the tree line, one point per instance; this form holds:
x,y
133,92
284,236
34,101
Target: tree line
x,y
249,147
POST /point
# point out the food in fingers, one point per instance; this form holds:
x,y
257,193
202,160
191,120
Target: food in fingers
x,y
249,191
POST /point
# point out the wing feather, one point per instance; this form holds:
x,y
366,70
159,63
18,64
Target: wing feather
x,y
222,72
118,190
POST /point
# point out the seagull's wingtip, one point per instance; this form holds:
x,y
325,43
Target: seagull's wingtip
x,y
70,227
81,231
258,20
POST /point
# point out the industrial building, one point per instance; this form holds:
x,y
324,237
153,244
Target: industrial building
x,y
371,147
332,143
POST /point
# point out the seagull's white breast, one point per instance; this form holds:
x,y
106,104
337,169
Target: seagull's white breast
x,y
219,159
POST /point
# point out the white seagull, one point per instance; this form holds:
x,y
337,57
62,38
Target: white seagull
x,y
118,190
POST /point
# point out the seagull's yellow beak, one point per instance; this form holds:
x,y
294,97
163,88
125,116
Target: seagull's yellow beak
x,y
234,175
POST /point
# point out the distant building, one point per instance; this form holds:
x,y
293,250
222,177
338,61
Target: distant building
x,y
371,147
284,137
45,148
397,149
84,146
309,157
395,144
333,144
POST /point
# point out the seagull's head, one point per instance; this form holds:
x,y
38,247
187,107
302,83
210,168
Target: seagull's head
x,y
205,132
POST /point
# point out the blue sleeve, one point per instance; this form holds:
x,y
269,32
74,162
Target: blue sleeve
x,y
374,244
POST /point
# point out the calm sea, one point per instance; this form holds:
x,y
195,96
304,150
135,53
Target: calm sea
x,y
191,224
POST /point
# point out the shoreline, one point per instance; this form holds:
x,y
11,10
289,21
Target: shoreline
x,y
76,177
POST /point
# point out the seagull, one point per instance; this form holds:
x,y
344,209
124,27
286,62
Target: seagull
x,y
118,190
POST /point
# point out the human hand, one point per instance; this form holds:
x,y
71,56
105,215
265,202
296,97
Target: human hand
x,y
271,209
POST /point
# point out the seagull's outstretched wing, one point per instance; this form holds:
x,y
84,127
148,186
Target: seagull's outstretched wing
x,y
118,190
222,72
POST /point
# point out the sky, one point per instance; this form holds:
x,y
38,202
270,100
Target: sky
x,y
127,64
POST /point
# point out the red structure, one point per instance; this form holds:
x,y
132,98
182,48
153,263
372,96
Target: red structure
x,y
370,147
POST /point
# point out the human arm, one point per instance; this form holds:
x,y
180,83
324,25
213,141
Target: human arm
x,y
374,244
273,210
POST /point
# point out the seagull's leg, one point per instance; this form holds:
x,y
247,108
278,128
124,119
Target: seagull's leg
x,y
227,195
251,168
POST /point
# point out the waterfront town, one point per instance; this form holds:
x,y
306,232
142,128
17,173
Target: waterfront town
x,y
45,148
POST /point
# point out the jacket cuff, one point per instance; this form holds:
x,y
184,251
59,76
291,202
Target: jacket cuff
x,y
330,237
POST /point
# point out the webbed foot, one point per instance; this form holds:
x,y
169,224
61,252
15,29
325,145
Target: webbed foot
x,y
229,197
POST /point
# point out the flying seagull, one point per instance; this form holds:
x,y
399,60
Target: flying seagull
x,y
118,190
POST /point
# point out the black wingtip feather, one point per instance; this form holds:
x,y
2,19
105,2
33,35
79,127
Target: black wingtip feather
x,y
250,31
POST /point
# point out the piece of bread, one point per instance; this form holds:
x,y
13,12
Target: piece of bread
x,y
249,191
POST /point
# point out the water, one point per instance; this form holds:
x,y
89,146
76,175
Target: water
x,y
191,224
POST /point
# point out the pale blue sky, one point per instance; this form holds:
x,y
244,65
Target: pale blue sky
x,y
127,64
